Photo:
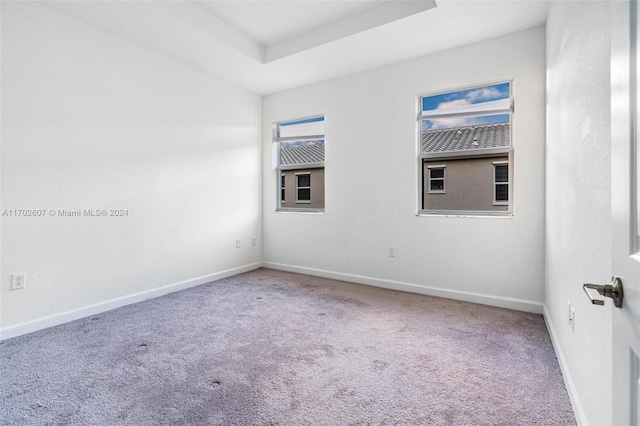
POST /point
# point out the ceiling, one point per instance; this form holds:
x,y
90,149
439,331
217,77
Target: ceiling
x,y
267,46
269,22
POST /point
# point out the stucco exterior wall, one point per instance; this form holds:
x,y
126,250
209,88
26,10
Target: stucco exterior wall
x,y
317,189
468,185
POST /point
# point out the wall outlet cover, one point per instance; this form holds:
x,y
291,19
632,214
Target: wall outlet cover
x,y
18,281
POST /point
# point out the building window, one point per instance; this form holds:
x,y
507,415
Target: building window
x,y
436,179
466,133
282,188
501,183
303,187
301,144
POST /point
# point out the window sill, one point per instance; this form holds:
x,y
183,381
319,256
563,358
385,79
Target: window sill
x,y
470,214
300,211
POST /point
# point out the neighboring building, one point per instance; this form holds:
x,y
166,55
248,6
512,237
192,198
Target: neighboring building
x,y
467,168
302,176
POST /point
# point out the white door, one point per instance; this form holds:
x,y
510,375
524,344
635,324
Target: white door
x,y
625,210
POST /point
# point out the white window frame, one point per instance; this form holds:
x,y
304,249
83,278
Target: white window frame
x,y
495,183
298,188
443,178
504,106
279,137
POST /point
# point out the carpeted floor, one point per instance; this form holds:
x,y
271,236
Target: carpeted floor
x,y
275,348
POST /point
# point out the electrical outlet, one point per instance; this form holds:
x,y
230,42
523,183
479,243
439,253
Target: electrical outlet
x,y
572,319
571,316
237,243
254,241
392,251
18,281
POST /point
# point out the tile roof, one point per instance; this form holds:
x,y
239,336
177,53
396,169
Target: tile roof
x,y
302,154
467,138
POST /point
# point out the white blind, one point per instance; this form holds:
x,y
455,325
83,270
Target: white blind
x,y
301,131
497,106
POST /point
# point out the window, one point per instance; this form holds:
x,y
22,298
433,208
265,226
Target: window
x,y
465,140
282,188
436,179
303,187
500,183
300,145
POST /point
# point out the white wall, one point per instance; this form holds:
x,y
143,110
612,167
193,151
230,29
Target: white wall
x,y
578,191
91,121
372,182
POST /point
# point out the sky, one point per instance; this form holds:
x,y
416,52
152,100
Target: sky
x,y
305,120
460,99
300,143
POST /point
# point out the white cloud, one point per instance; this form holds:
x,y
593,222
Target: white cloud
x,y
484,94
475,107
450,123
453,104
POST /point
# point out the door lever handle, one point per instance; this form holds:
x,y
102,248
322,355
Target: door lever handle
x,y
613,290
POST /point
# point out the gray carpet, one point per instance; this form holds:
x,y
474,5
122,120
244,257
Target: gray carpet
x,y
274,348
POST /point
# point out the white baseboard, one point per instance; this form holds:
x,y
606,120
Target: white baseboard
x,y
578,410
498,301
107,305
